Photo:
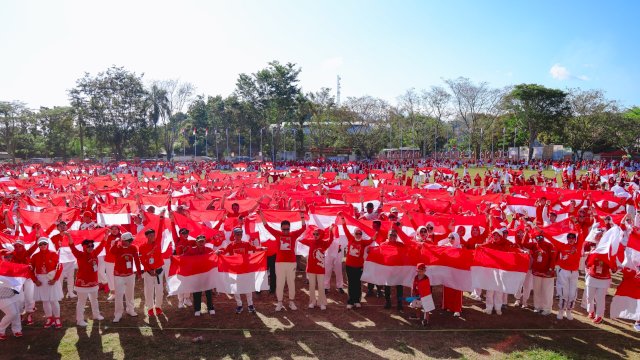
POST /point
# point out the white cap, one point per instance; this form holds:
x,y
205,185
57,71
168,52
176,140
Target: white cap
x,y
43,240
126,236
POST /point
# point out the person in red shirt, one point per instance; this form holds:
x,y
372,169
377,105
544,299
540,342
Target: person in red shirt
x,y
201,249
354,262
87,277
452,298
105,265
544,257
126,256
68,268
316,266
494,299
392,240
598,278
285,239
239,247
152,262
567,276
46,273
421,290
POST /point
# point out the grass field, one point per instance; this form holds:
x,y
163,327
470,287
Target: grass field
x,y
368,333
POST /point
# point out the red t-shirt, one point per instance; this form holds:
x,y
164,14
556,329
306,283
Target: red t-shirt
x,y
125,259
598,266
355,249
87,275
317,248
241,248
569,259
151,255
286,244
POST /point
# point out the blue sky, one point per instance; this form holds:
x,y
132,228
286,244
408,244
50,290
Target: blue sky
x,y
379,48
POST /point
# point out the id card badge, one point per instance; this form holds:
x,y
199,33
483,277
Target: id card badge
x,y
539,258
95,268
129,264
151,261
598,269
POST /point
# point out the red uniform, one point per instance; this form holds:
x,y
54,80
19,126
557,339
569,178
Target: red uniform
x,y
44,262
125,259
317,248
286,244
87,275
355,249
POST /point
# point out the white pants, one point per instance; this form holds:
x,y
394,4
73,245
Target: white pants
x,y
153,290
111,280
51,308
68,272
11,317
82,301
29,303
493,300
542,293
102,271
524,293
313,280
333,264
596,300
124,294
249,297
285,273
567,283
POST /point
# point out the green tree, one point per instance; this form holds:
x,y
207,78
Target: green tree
x,y
115,103
15,120
58,129
536,109
159,108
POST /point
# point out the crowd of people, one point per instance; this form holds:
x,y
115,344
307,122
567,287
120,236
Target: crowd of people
x,y
407,206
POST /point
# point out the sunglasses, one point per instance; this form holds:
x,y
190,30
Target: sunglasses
x,y
43,244
358,233
89,245
423,230
285,229
429,227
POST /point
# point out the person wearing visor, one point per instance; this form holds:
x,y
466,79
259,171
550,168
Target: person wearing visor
x,y
126,257
201,249
46,270
87,277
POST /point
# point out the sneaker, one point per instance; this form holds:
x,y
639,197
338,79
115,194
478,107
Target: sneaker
x,y
475,297
488,311
181,305
279,307
48,323
72,295
498,312
357,305
424,322
150,312
81,323
197,313
3,337
456,314
349,307
569,315
292,306
636,326
535,311
341,290
545,313
560,316
158,311
212,312
188,302
239,309
311,306
323,307
111,297
252,309
592,315
116,319
57,323
99,318
132,314
29,319
597,320
517,303
387,305
17,334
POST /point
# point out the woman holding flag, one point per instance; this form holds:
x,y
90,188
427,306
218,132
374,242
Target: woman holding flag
x,y
46,273
87,278
354,262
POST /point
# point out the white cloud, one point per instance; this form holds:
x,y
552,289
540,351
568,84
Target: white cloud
x,y
559,72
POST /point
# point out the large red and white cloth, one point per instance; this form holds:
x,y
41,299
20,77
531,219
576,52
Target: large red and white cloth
x,y
498,270
626,302
13,275
274,218
448,266
243,273
189,274
116,214
389,265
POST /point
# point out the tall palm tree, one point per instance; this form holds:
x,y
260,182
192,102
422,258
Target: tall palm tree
x,y
158,108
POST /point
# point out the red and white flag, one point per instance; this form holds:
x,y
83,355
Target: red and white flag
x,y
117,214
389,265
448,266
13,275
558,231
626,302
242,274
498,270
189,274
521,205
632,251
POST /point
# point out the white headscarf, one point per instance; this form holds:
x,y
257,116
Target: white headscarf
x,y
447,242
